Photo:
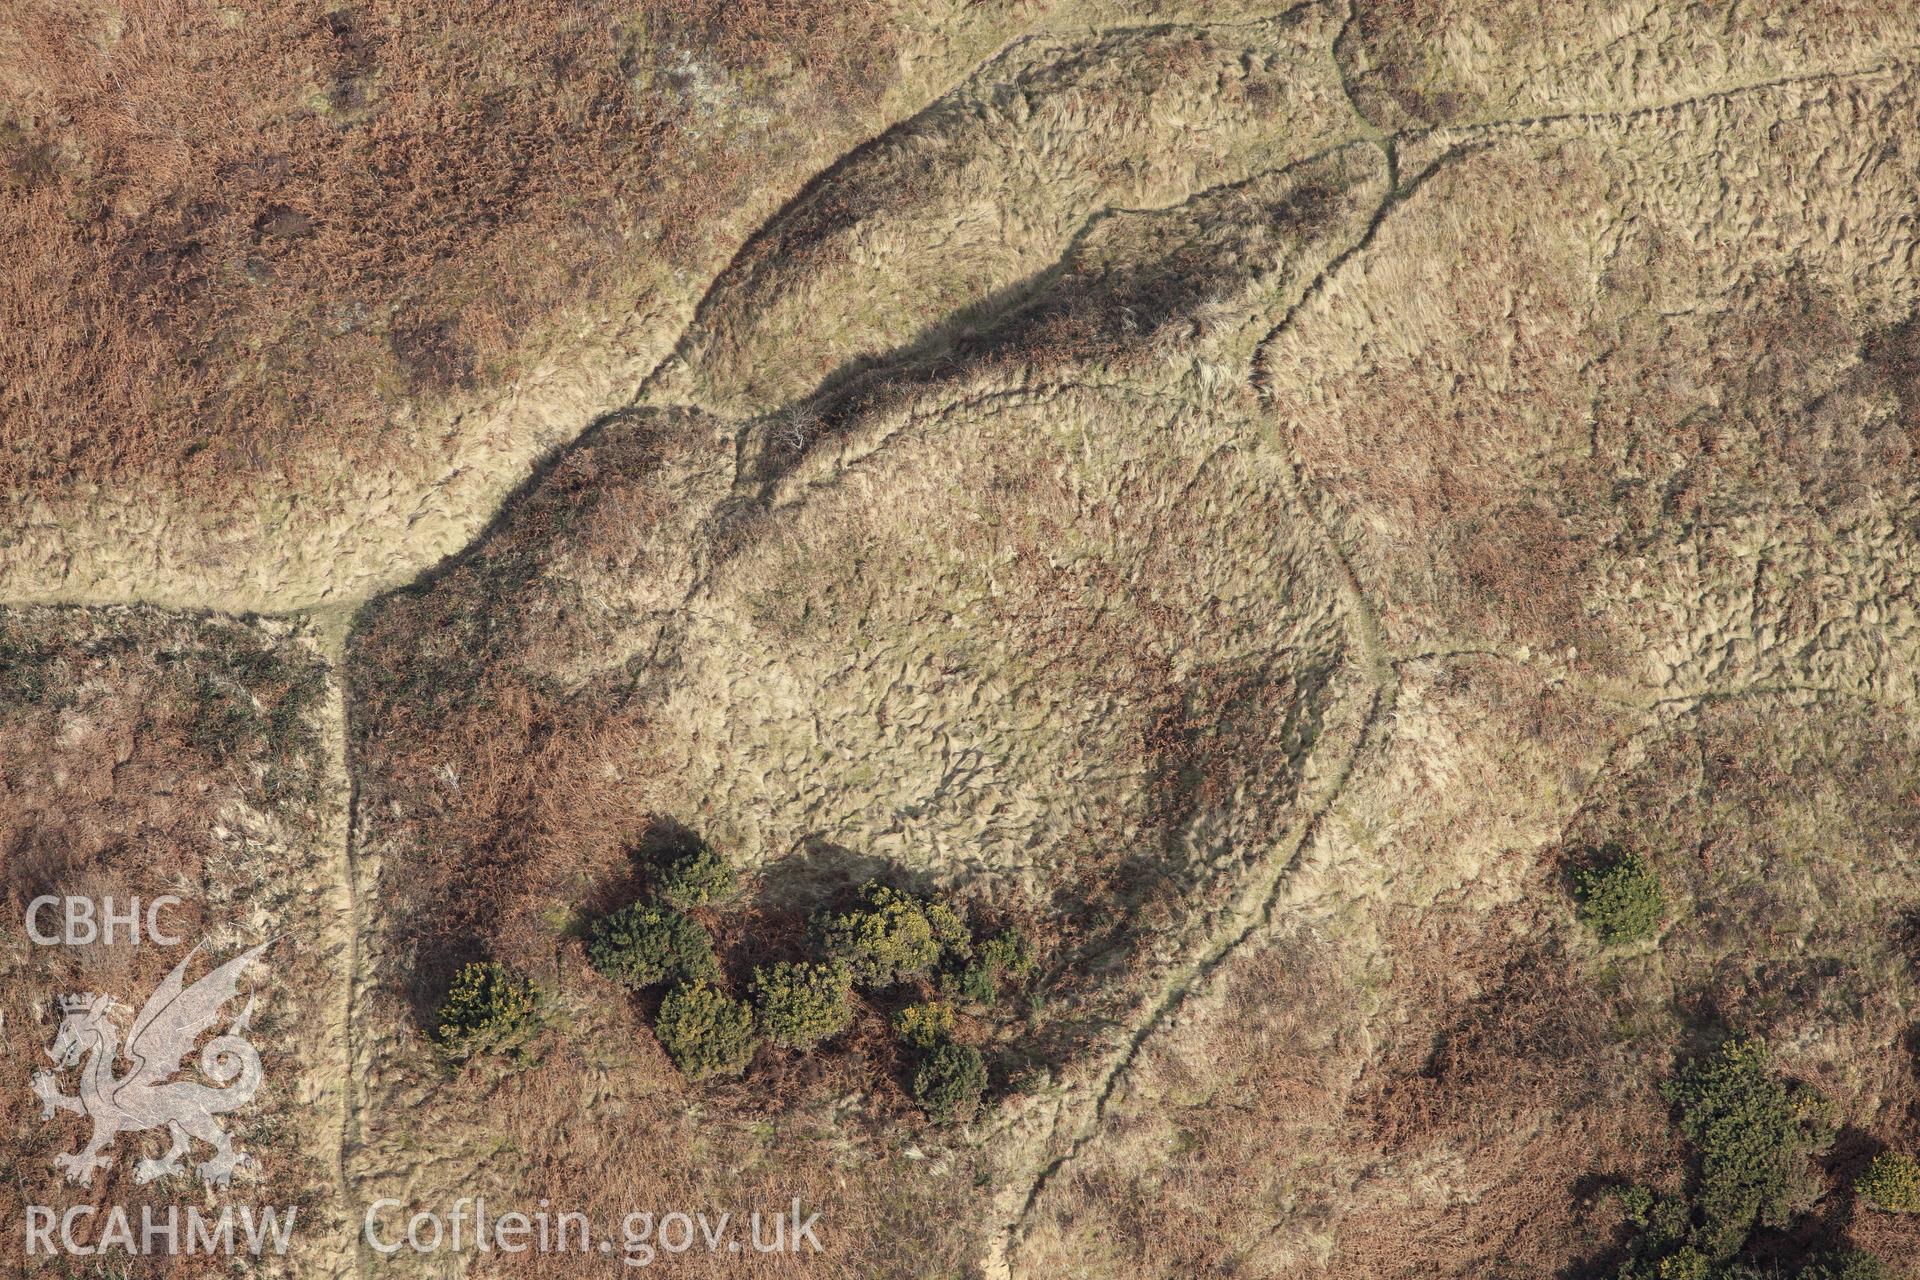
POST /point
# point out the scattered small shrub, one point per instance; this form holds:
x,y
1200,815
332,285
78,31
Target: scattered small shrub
x,y
975,984
705,1031
692,872
1755,1136
488,1009
802,1004
1005,955
647,943
1685,1263
924,1026
1891,1182
1847,1264
1622,901
950,931
1009,953
889,936
949,1082
1664,1221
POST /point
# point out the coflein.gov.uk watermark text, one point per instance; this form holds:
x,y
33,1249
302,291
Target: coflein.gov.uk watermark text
x,y
643,1237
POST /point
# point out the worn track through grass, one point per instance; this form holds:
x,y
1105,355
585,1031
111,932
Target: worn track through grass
x,y
1254,904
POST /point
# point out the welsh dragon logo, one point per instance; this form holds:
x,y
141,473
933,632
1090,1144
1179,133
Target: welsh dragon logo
x,y
147,1096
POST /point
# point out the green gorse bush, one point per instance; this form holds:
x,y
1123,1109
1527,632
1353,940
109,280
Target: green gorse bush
x,y
888,936
1845,1264
1621,901
1756,1137
1002,958
949,1082
705,1031
488,1009
648,943
1891,1182
924,1026
801,1004
692,872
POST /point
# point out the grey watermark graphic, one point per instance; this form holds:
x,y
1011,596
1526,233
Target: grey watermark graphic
x,y
171,1083
641,1239
147,1096
185,1060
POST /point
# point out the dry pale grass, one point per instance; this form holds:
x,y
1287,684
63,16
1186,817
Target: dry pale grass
x,y
1205,1161
1446,61
602,1124
481,731
894,258
1532,1085
1476,1071
242,238
1528,431
1499,1105
505,789
123,745
1517,1082
506,712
